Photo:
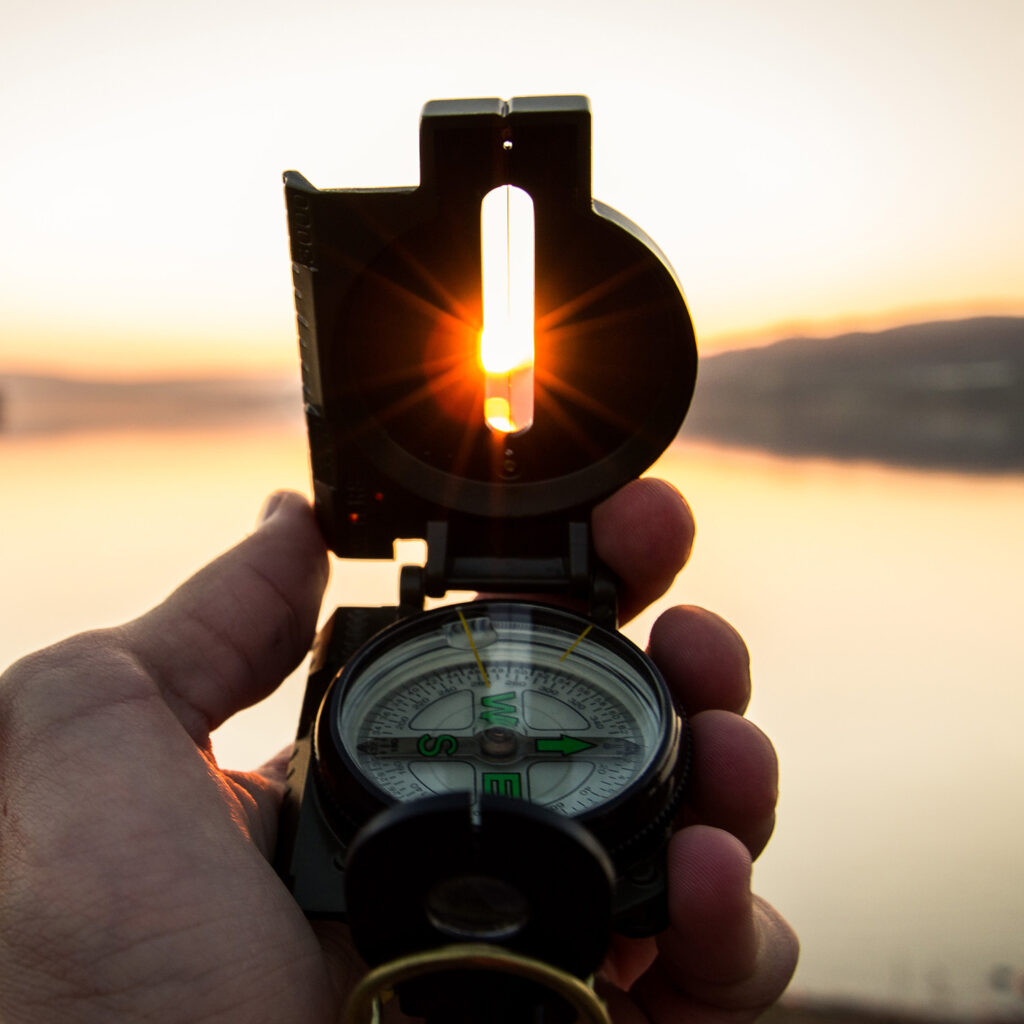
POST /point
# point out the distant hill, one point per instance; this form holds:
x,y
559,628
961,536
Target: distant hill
x,y
947,394
42,404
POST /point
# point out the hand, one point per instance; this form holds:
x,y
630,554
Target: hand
x,y
134,880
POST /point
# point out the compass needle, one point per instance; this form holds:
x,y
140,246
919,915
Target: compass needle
x,y
564,745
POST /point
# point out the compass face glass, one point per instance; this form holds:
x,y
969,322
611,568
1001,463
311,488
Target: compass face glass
x,y
504,698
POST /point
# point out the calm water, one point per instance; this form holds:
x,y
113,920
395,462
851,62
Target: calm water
x,y
882,607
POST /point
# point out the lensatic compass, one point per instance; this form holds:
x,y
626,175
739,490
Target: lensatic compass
x,y
485,790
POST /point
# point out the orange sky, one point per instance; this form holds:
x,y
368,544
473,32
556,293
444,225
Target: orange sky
x,y
807,167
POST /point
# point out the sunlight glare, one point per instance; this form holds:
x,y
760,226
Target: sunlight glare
x,y
506,341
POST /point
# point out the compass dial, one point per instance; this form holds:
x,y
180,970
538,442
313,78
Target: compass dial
x,y
504,698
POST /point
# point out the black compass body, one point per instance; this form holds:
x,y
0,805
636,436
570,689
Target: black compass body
x,y
504,770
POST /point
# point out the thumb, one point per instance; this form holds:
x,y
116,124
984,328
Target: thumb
x,y
229,635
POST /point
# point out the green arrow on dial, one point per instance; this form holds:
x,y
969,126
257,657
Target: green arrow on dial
x,y
564,745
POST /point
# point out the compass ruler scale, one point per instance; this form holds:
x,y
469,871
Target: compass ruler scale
x,y
484,791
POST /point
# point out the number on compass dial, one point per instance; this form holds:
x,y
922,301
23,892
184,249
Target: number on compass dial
x,y
505,698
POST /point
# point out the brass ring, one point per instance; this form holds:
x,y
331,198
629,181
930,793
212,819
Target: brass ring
x,y
363,1005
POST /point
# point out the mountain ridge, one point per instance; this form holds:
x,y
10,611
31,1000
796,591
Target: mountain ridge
x,y
943,394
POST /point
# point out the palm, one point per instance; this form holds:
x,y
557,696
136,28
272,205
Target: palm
x,y
146,879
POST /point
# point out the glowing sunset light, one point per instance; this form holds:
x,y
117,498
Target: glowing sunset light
x,y
810,169
813,165
507,286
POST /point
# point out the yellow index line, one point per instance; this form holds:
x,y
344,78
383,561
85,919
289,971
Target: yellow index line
x,y
476,653
576,642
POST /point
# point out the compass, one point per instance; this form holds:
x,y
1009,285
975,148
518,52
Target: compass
x,y
485,357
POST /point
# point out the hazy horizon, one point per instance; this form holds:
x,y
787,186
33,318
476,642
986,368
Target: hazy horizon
x,y
131,373
941,395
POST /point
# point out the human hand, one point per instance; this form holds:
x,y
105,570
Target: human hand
x,y
134,875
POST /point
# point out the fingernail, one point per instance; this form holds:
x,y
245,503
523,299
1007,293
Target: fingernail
x,y
270,506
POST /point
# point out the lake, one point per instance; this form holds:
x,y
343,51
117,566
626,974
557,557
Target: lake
x,y
882,607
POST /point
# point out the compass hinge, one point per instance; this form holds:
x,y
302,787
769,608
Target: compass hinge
x,y
558,562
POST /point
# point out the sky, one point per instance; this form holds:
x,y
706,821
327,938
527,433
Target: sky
x,y
807,166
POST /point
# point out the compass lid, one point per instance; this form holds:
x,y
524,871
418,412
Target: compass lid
x,y
390,311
